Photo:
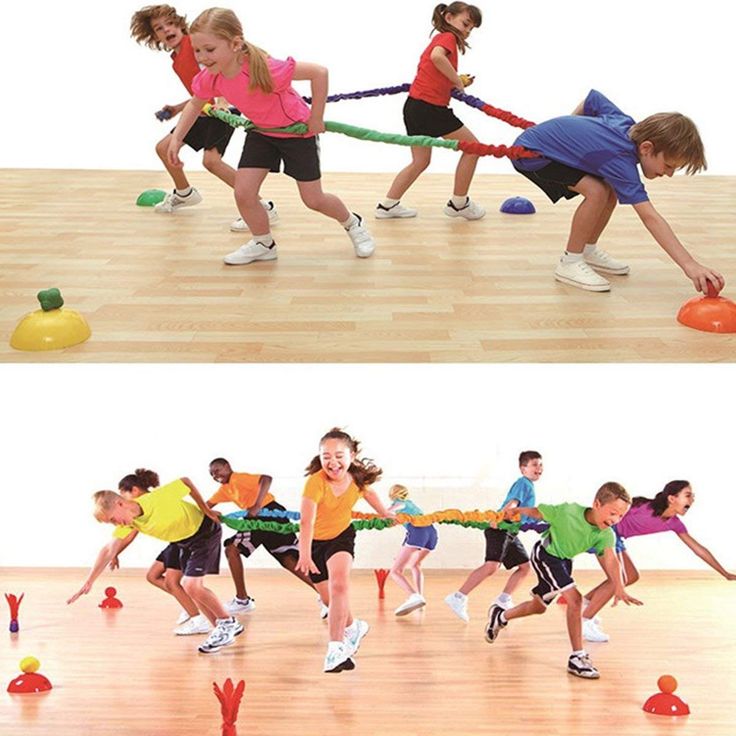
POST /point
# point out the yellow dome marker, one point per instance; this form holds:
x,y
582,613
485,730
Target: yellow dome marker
x,y
51,327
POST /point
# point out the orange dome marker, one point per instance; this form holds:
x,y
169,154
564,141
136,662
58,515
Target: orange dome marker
x,y
709,313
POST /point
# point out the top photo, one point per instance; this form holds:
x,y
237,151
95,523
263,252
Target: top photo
x,y
367,183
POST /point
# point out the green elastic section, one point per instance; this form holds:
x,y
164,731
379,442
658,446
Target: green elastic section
x,y
364,134
243,525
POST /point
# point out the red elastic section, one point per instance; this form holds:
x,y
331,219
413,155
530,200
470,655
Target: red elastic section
x,y
481,149
507,117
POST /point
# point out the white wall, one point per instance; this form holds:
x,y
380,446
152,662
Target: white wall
x,y
81,94
451,433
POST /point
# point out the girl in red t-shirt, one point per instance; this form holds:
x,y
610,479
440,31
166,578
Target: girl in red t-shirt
x,y
426,112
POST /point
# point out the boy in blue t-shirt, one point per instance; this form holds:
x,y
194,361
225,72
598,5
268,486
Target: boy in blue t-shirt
x,y
596,152
504,547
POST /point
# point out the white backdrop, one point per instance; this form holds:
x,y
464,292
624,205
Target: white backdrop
x,y
81,94
451,433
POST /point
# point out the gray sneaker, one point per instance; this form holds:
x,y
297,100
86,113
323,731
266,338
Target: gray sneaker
x,y
221,636
174,201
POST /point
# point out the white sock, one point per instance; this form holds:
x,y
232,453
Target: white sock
x,y
586,601
351,221
579,653
460,595
266,240
459,202
590,248
184,192
388,203
504,597
571,257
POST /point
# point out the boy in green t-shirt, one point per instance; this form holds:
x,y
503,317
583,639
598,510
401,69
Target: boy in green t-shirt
x,y
573,529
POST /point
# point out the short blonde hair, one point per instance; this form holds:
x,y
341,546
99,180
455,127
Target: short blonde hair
x,y
676,135
104,502
612,491
398,493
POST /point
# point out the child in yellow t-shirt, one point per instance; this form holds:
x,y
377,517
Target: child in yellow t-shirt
x,y
337,480
252,492
194,529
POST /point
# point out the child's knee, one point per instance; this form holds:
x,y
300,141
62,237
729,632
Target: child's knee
x,y
523,569
231,552
153,577
211,160
171,582
191,585
538,606
314,201
574,599
632,577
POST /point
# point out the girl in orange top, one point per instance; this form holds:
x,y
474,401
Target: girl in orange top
x,y
337,479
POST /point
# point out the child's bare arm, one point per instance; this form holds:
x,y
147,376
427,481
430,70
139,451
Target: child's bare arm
x,y
319,77
188,117
110,550
661,231
372,498
612,568
706,555
440,60
114,563
264,484
531,511
197,496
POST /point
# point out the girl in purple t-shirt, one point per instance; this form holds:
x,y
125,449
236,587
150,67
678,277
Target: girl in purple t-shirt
x,y
647,516
260,87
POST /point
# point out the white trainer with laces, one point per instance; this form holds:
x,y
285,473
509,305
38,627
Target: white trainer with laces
x,y
581,666
603,261
195,625
593,632
239,226
183,616
363,243
338,658
354,635
251,251
581,275
396,211
221,636
469,211
324,611
459,606
240,605
412,603
174,201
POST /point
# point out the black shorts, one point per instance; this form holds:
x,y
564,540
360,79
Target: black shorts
x,y
276,544
203,550
554,179
209,133
504,548
554,573
299,155
323,549
173,557
422,118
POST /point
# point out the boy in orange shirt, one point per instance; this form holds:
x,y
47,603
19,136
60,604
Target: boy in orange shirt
x,y
251,492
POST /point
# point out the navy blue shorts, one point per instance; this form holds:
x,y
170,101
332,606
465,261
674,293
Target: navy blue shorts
x,y
173,557
203,550
554,573
422,537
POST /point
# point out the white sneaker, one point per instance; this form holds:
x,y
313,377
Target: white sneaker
x,y
324,611
251,251
504,601
221,636
596,619
183,616
470,210
600,260
237,605
581,666
592,632
354,635
395,211
239,226
195,625
580,274
174,201
338,658
412,603
459,606
362,241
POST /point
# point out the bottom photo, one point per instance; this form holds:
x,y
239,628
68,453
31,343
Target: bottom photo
x,y
363,549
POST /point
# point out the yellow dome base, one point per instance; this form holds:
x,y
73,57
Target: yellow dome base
x,y
52,330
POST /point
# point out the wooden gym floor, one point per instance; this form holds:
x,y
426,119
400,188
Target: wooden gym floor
x,y
428,673
154,288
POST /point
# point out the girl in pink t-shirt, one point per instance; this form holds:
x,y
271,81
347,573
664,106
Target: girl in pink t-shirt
x,y
260,87
426,112
647,516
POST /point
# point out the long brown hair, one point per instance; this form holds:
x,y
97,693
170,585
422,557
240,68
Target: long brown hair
x,y
223,23
442,26
363,470
660,503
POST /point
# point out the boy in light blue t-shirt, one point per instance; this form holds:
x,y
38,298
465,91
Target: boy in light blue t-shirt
x,y
503,547
596,152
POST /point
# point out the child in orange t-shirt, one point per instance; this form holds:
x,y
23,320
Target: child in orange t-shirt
x,y
161,27
337,480
426,112
252,492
